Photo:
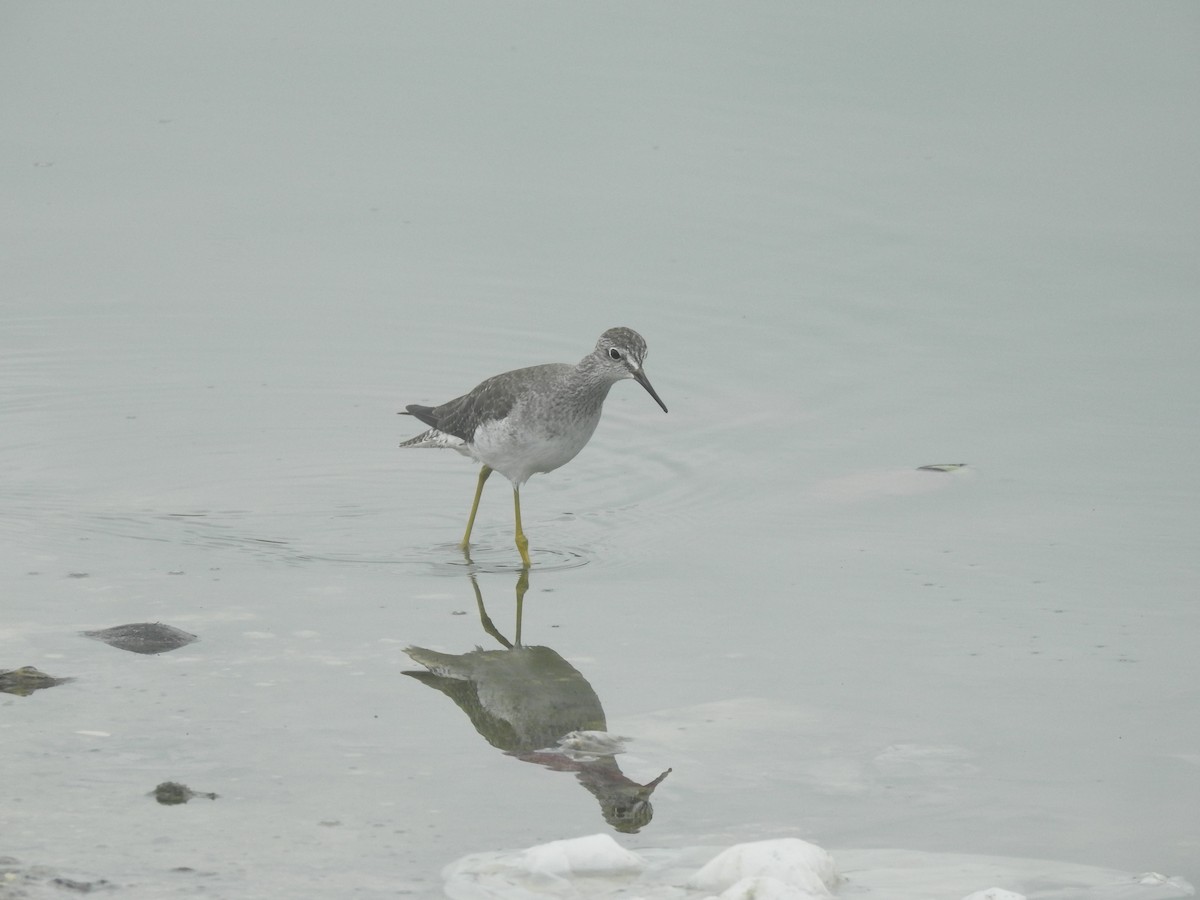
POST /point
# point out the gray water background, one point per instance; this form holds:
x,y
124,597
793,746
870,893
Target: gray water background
x,y
858,239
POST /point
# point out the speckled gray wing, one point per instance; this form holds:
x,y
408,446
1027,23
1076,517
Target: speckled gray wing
x,y
492,399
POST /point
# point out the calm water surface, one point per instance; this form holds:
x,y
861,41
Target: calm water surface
x,y
219,296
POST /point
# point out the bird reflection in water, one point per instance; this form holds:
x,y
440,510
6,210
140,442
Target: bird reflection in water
x,y
532,704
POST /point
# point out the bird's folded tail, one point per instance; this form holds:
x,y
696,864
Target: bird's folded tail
x,y
424,413
446,665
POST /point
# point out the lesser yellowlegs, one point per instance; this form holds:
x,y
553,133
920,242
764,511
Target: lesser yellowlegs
x,y
532,420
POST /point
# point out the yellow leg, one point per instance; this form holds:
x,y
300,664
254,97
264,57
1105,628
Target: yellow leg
x,y
522,541
522,587
488,625
483,476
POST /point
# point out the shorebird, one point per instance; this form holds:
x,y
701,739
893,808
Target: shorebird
x,y
532,420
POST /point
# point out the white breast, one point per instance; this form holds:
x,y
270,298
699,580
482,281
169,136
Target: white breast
x,y
518,455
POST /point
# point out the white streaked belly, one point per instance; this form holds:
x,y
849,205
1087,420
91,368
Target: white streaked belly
x,y
519,456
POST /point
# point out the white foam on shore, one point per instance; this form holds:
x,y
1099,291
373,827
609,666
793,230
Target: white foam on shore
x,y
598,868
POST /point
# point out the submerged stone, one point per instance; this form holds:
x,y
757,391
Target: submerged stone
x,y
171,793
25,680
143,637
18,881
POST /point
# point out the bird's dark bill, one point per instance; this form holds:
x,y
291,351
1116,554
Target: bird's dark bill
x,y
641,379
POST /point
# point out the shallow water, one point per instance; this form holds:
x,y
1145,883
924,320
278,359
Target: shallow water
x,y
856,244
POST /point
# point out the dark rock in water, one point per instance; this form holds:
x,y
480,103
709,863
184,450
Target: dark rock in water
x,y
19,881
83,887
143,637
170,793
25,680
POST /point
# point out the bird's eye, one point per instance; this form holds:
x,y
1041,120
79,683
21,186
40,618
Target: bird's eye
x,y
614,353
